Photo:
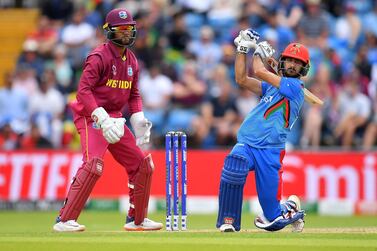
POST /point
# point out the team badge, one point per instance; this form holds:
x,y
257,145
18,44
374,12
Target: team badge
x,y
114,68
123,14
130,71
295,49
228,220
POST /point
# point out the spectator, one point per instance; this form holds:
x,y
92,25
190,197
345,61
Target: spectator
x,y
9,140
45,35
354,109
280,35
220,112
207,52
245,102
62,70
25,79
314,115
46,108
178,39
222,17
313,26
370,135
59,11
76,36
30,58
289,13
13,107
147,47
188,94
348,27
370,20
99,38
34,139
156,90
256,12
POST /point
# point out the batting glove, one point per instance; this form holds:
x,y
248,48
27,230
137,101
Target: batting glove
x,y
142,128
245,40
264,50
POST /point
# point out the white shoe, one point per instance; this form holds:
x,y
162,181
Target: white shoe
x,y
146,225
226,228
68,226
298,225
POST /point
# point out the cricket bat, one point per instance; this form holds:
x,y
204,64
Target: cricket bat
x,y
309,96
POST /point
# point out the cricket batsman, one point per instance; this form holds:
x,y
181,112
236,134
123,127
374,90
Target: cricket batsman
x,y
109,82
262,136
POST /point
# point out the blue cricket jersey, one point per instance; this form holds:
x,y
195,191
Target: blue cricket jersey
x,y
268,124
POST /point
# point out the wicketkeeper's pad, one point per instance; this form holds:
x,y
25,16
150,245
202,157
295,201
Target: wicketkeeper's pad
x,y
142,188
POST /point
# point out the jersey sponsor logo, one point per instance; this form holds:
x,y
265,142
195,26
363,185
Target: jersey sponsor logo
x,y
281,104
267,99
130,71
121,84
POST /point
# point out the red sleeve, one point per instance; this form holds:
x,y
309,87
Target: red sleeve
x,y
135,103
89,78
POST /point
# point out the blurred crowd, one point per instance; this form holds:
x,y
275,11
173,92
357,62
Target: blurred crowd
x,y
186,53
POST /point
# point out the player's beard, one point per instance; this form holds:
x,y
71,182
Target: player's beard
x,y
124,39
291,72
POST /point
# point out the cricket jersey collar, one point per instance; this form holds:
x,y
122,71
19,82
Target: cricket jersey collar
x,y
114,50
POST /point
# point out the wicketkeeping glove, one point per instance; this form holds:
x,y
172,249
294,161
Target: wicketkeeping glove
x,y
112,128
142,128
245,40
264,50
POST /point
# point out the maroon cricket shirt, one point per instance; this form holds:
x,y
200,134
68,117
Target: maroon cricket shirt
x,y
108,80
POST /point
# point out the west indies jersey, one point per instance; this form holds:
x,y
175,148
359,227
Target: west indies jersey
x,y
108,80
268,124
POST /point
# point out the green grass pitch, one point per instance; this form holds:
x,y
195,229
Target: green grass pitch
x,y
32,231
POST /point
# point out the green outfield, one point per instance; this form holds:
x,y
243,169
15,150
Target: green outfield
x,y
32,231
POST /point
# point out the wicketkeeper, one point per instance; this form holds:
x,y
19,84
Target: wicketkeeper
x,y
262,136
109,82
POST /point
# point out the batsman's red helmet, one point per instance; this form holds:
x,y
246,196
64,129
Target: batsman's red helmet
x,y
120,19
297,51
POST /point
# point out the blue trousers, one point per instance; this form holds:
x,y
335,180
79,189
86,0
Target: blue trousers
x,y
266,163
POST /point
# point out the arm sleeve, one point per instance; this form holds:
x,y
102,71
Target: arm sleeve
x,y
135,103
89,78
290,87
